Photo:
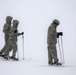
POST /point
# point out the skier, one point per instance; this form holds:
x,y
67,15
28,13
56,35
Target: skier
x,y
52,41
12,41
6,30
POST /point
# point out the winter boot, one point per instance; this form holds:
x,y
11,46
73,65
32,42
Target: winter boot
x,y
6,57
50,63
12,57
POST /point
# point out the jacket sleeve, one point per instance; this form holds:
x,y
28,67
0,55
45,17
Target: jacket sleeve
x,y
19,34
5,28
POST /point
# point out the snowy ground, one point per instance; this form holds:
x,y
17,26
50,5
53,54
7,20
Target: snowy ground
x,y
35,16
34,67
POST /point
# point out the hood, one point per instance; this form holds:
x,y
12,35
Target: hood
x,y
8,19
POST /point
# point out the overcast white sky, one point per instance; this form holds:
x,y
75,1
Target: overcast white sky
x,y
35,16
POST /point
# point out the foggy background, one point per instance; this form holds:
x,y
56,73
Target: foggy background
x,y
35,16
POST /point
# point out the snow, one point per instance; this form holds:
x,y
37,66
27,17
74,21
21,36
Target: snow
x,y
34,67
35,16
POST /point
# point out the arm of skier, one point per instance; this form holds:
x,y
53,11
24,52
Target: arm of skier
x,y
20,33
5,28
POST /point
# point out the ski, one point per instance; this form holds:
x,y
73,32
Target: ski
x,y
56,64
15,59
8,57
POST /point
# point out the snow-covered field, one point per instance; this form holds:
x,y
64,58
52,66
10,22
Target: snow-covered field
x,y
35,16
34,67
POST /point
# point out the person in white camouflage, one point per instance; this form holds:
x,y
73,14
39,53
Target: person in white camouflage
x,y
52,41
12,41
6,30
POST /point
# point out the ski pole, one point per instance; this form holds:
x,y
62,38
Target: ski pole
x,y
23,45
60,51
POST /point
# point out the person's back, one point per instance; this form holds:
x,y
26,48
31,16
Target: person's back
x,y
52,35
7,25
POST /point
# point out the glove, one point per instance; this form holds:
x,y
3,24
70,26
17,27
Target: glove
x,y
57,35
22,33
60,33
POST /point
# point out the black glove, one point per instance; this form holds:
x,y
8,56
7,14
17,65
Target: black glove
x,y
59,34
22,33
